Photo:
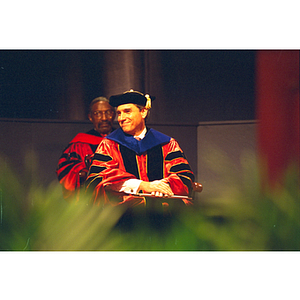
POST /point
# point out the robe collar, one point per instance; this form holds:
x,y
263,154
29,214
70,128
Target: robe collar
x,y
151,139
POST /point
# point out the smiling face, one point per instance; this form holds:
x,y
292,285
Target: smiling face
x,y
102,116
131,119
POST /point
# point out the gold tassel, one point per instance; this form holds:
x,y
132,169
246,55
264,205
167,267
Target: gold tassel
x,y
148,103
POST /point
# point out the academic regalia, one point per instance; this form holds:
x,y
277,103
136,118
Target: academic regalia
x,y
76,158
120,157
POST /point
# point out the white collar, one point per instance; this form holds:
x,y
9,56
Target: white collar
x,y
142,134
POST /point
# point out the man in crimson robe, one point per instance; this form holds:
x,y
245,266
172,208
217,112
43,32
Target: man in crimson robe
x,y
135,158
75,160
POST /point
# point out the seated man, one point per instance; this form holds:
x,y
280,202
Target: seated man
x,y
75,160
136,158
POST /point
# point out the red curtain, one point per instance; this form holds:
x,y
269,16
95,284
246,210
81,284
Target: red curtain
x,y
278,111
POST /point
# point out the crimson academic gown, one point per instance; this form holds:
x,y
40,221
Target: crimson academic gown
x,y
120,157
76,158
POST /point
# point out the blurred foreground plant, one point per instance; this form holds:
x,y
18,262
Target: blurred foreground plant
x,y
38,218
238,217
242,215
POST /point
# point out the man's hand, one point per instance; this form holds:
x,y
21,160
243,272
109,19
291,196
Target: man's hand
x,y
158,188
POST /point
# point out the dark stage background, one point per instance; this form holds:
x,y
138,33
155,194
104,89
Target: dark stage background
x,y
190,85
45,96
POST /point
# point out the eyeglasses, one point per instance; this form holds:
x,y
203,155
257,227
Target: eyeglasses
x,y
101,113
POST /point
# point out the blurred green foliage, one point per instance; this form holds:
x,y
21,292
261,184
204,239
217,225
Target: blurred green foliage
x,y
239,216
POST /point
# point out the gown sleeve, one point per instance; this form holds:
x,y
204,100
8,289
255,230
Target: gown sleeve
x,y
107,172
178,170
72,162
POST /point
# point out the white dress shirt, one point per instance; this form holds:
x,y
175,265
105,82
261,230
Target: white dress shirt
x,y
131,186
